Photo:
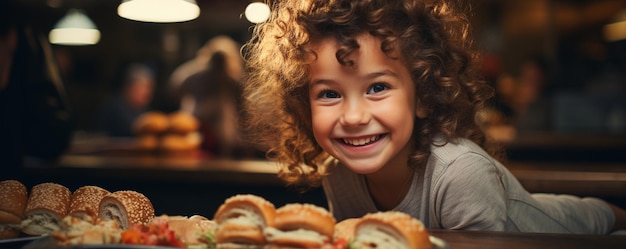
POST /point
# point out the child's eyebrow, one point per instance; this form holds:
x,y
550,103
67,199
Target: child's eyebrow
x,y
381,73
369,76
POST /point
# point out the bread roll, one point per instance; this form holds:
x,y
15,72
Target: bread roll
x,y
153,122
127,207
9,226
13,198
391,229
300,225
147,142
182,123
178,142
85,202
241,220
345,229
47,205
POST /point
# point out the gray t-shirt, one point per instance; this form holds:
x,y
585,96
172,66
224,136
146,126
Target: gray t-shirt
x,y
463,188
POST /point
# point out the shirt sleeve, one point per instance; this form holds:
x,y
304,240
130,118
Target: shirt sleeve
x,y
470,195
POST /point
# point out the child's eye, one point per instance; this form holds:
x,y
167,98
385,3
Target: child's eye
x,y
377,87
328,94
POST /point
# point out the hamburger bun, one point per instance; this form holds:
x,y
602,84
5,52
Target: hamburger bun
x,y
147,142
13,198
391,229
182,123
153,122
301,226
48,203
345,229
241,220
85,203
127,207
180,143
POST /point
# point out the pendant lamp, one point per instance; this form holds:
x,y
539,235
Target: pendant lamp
x,y
74,29
257,12
616,30
161,11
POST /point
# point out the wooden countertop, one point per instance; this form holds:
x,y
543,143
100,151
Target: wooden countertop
x,y
572,178
114,159
510,240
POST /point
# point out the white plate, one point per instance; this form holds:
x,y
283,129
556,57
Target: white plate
x,y
438,243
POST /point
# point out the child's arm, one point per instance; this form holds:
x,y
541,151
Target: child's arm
x,y
620,217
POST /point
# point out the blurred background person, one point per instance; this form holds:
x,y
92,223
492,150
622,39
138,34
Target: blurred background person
x,y
132,100
35,118
225,44
213,95
530,97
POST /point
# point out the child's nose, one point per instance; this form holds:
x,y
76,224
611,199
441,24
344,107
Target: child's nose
x,y
355,113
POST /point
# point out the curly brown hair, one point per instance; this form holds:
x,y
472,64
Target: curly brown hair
x,y
432,37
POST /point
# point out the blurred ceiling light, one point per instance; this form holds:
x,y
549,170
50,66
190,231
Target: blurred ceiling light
x,y
74,29
159,10
257,12
616,30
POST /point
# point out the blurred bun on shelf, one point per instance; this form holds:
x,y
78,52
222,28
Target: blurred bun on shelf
x,y
153,122
180,142
174,132
147,142
182,123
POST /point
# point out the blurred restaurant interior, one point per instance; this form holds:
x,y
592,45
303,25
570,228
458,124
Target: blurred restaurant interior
x,y
560,110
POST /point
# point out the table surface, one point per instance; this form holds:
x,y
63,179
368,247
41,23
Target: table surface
x,y
510,240
114,158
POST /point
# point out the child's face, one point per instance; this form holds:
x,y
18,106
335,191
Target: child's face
x,y
363,114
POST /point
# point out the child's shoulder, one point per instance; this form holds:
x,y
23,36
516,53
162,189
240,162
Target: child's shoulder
x,y
447,152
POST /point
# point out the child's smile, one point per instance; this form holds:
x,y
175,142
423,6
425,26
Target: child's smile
x,y
361,141
362,114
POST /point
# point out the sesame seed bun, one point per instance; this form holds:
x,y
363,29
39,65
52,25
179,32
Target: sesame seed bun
x,y
345,229
391,229
47,204
14,197
85,202
301,226
127,207
9,225
241,220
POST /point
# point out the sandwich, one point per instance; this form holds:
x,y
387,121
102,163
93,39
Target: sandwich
x,y
48,203
241,220
85,203
127,207
390,230
299,225
13,196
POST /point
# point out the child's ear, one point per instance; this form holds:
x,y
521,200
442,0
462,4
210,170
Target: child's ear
x,y
420,111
